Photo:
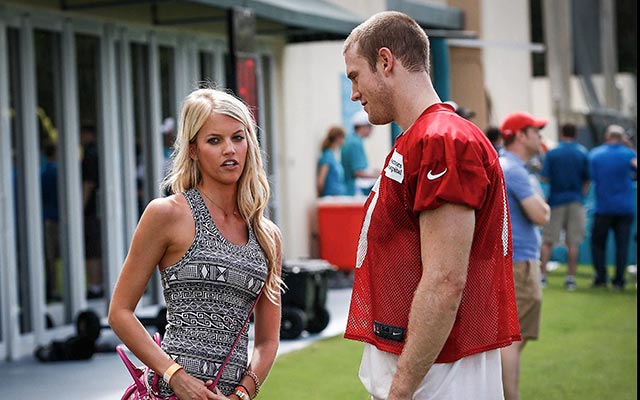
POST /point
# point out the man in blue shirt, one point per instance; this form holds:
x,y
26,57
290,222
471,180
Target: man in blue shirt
x,y
566,168
50,216
611,166
527,210
353,157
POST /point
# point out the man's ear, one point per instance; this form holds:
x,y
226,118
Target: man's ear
x,y
385,60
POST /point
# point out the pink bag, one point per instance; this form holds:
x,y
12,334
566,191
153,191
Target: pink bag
x,y
140,389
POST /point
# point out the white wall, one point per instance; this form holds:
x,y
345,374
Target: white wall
x,y
311,103
506,57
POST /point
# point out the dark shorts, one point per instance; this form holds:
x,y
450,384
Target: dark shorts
x,y
92,237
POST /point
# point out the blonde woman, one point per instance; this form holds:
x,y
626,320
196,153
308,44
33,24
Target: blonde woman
x,y
216,252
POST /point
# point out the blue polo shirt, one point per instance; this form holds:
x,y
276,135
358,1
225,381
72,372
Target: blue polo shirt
x,y
334,181
49,187
566,167
610,169
353,159
526,235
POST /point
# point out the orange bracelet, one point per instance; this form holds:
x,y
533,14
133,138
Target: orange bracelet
x,y
170,371
242,392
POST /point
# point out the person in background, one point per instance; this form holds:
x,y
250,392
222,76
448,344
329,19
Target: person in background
x,y
92,214
216,253
433,296
611,167
528,210
353,158
566,168
462,111
330,175
168,137
51,216
495,137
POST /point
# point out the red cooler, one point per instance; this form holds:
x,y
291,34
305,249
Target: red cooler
x,y
339,223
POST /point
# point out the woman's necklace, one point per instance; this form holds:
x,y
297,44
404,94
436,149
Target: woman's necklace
x,y
226,214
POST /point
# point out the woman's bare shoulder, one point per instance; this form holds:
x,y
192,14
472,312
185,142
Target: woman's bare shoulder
x,y
167,210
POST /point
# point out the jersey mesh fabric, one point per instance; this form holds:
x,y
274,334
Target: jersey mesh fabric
x,y
209,293
391,267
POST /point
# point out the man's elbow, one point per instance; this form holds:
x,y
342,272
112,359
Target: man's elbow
x,y
546,216
452,285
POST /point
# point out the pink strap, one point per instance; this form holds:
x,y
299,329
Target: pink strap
x,y
136,373
139,375
226,360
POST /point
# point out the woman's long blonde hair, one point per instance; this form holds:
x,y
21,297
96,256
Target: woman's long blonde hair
x,y
253,186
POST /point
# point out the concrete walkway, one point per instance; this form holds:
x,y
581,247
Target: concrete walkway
x,y
104,377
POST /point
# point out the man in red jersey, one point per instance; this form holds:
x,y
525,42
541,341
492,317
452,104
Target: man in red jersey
x,y
433,295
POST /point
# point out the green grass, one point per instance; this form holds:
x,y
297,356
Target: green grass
x,y
327,369
588,343
587,350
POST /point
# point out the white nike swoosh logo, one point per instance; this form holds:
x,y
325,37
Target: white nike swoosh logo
x,y
432,176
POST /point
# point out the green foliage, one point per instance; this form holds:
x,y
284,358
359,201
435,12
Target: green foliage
x,y
587,350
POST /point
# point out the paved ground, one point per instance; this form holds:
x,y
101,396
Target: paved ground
x,y
104,377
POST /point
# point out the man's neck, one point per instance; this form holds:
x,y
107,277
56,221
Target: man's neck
x,y
520,152
414,96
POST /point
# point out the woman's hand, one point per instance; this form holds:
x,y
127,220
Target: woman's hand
x,y
219,396
186,387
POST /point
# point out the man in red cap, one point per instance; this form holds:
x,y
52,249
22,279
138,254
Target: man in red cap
x,y
528,210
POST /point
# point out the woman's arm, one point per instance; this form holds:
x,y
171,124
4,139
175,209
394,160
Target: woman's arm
x,y
267,333
152,244
322,177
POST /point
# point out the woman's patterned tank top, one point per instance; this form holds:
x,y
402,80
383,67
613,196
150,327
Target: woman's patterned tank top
x,y
209,293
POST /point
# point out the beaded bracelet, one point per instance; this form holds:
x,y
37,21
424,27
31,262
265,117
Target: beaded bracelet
x,y
256,381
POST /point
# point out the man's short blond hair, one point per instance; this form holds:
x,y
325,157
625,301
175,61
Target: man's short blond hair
x,y
396,31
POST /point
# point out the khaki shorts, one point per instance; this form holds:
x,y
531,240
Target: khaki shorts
x,y
570,218
51,240
526,277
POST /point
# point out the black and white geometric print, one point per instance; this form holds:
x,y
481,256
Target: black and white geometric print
x,y
208,294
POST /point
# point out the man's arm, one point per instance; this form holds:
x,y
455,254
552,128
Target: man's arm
x,y
87,189
585,188
536,209
321,178
365,174
446,234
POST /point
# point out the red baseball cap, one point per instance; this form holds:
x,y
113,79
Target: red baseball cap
x,y
517,121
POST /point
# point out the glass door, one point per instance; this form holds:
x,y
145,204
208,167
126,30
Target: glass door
x,y
87,50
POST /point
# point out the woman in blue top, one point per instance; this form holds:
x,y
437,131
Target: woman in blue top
x,y
330,177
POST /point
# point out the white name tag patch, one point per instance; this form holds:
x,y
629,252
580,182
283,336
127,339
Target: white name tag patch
x,y
395,168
